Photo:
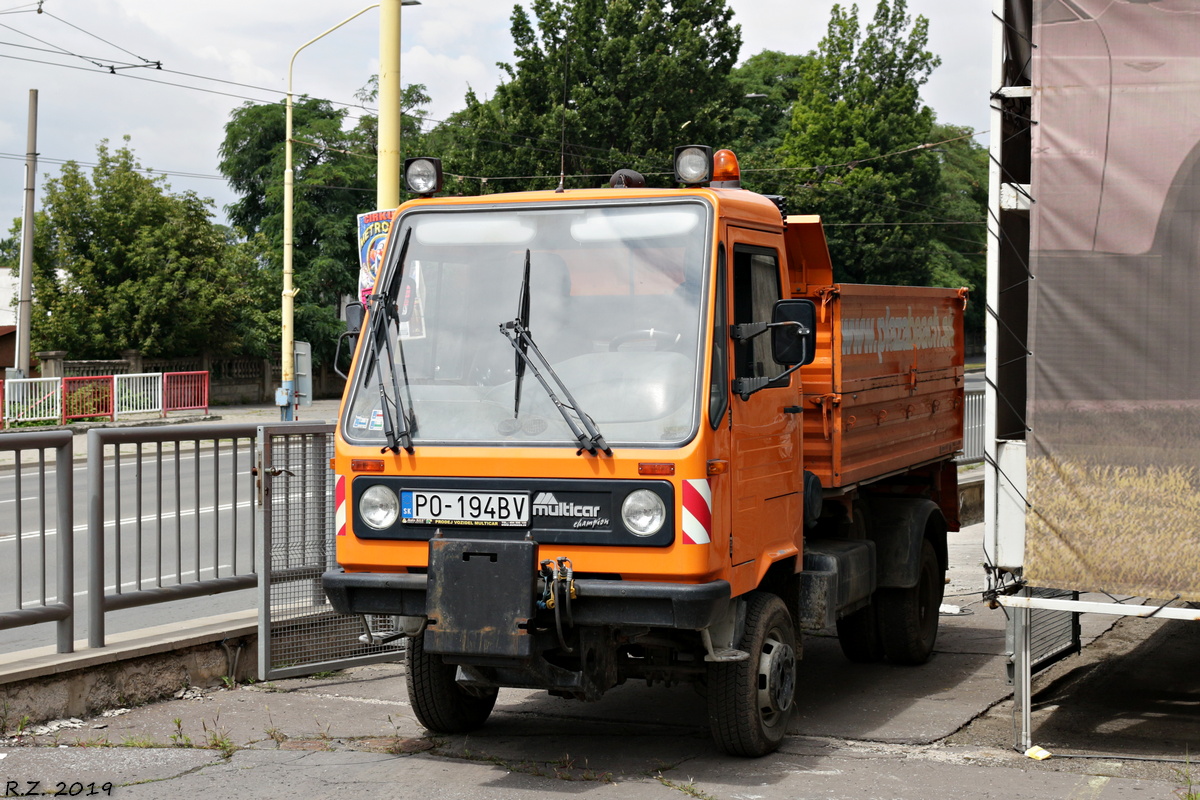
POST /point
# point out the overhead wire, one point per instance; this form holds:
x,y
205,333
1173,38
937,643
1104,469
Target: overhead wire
x,y
601,154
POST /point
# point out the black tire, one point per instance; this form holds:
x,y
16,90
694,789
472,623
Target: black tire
x,y
858,634
441,705
908,618
750,702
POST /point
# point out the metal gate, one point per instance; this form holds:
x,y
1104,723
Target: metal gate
x,y
298,631
1053,635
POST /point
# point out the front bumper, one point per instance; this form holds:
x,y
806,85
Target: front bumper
x,y
679,606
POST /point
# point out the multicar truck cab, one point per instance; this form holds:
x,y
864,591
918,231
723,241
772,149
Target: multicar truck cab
x,y
632,433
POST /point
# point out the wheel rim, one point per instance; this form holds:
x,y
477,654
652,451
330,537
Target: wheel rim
x,y
776,678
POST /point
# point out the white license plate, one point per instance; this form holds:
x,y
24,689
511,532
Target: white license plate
x,y
448,507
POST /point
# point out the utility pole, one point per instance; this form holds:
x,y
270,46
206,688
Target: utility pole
x,y
25,295
387,177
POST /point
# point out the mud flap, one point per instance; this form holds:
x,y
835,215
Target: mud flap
x,y
480,594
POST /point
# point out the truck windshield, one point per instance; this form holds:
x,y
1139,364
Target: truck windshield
x,y
615,293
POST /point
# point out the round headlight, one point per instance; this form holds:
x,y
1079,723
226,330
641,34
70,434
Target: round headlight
x,y
692,164
379,507
423,176
643,512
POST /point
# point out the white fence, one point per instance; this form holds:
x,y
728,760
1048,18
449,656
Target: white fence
x,y
32,400
115,397
973,417
138,394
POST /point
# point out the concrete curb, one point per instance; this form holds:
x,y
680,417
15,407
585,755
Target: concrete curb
x,y
135,668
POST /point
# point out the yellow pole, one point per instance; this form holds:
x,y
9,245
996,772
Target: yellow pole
x,y
387,179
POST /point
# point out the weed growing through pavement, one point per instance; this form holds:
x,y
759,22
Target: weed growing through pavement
x,y
689,788
1190,789
273,733
179,738
217,738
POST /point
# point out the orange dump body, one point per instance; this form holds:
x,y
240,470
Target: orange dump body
x,y
885,392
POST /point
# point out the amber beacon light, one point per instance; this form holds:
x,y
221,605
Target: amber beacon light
x,y
726,173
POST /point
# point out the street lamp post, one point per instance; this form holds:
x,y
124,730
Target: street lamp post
x,y
388,169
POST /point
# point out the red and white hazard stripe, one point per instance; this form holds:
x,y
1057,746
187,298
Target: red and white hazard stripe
x,y
339,500
697,512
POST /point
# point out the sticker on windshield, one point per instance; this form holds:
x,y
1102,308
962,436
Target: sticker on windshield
x,y
360,421
377,419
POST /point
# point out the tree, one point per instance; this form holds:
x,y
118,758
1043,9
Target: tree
x,y
120,262
599,85
858,146
960,243
766,89
334,180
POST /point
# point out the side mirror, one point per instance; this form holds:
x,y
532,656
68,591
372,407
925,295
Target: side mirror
x,y
354,321
354,317
794,332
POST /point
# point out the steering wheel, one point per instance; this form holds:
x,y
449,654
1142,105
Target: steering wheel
x,y
662,340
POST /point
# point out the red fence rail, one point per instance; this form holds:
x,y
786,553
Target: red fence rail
x,y
87,398
185,390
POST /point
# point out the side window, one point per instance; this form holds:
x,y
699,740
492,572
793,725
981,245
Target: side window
x,y
755,290
718,389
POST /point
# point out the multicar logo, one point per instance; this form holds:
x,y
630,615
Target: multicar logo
x,y
547,505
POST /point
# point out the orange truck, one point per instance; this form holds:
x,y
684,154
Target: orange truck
x,y
637,433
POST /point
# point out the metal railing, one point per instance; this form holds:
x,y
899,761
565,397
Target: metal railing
x,y
198,472
185,390
27,560
32,400
88,397
138,394
973,421
59,400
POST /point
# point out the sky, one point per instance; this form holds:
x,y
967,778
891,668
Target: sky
x,y
448,45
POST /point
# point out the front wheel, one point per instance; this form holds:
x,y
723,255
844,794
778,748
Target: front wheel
x,y
908,618
441,705
751,701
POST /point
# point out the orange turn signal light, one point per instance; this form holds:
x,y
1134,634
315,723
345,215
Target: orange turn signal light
x,y
366,465
656,469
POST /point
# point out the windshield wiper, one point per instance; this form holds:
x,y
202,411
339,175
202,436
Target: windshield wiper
x,y
383,310
517,332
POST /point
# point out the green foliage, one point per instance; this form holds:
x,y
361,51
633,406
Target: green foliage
x,y
602,84
334,180
766,89
860,111
120,262
960,244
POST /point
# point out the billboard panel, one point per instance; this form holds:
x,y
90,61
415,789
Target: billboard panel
x,y
1114,377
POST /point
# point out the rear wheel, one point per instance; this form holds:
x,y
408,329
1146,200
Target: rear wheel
x,y
441,705
908,618
751,701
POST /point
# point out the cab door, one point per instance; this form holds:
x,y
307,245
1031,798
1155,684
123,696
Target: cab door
x,y
767,467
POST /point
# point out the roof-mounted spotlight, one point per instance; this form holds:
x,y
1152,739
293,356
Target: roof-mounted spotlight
x,y
693,164
423,176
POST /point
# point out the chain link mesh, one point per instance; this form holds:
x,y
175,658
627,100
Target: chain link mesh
x,y
305,634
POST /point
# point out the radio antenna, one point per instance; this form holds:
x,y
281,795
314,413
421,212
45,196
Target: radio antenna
x,y
562,147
